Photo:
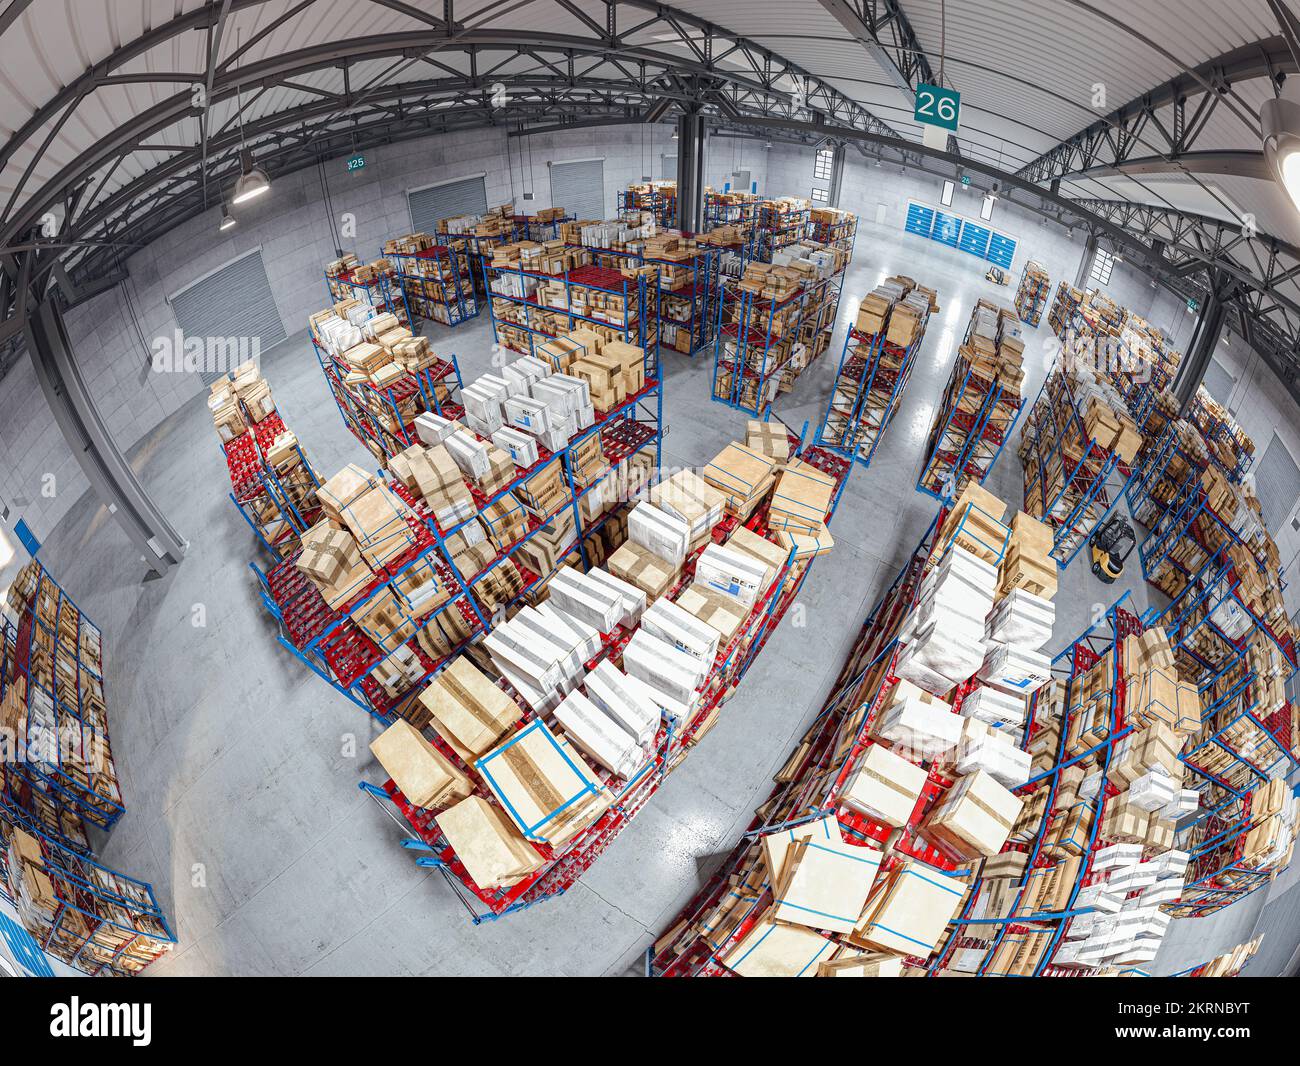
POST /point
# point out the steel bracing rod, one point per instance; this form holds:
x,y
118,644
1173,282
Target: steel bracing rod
x,y
1260,265
1190,97
104,465
697,47
882,28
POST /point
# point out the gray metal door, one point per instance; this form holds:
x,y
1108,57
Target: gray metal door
x,y
667,167
232,310
579,188
1277,482
464,196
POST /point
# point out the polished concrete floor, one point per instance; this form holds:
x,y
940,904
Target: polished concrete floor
x,y
238,764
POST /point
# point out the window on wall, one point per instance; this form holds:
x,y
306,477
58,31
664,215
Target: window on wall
x,y
820,195
823,164
1102,265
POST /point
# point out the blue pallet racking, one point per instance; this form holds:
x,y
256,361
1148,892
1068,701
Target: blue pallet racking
x,y
52,690
1031,294
382,292
94,919
513,292
382,417
757,339
977,416
868,389
331,644
562,870
1072,480
437,284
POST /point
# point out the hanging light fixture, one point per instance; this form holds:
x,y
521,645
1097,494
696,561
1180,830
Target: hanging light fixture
x,y
252,181
1279,121
227,219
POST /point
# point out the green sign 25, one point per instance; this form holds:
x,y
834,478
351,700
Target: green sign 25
x,y
357,162
937,106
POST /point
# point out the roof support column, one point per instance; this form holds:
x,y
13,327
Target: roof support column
x,y
690,172
837,174
1085,264
1209,328
106,468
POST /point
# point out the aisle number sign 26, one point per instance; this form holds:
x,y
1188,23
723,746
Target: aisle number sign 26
x,y
937,106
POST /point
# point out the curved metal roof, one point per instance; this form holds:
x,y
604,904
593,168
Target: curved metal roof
x,y
1146,114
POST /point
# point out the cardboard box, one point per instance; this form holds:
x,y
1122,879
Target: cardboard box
x,y
425,776
489,846
468,709
643,568
824,881
772,949
546,788
975,817
883,786
908,910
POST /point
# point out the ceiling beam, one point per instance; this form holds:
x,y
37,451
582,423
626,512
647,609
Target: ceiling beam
x,y
1112,139
1241,163
885,33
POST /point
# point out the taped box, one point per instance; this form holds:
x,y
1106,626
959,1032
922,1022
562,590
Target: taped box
x,y
425,776
818,879
975,817
908,909
546,788
467,709
491,849
883,786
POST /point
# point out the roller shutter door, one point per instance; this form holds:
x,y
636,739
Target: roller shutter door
x,y
234,301
667,167
1277,482
579,188
464,196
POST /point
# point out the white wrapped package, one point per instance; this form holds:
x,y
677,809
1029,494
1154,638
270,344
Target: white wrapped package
x,y
999,758
595,733
1185,801
681,629
583,634
662,666
632,598
1017,670
733,573
1152,791
928,729
1117,857
434,429
532,620
576,594
1023,619
627,704
1098,897
994,706
668,536
948,648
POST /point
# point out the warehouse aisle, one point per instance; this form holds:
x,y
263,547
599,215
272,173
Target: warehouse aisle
x,y
240,767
